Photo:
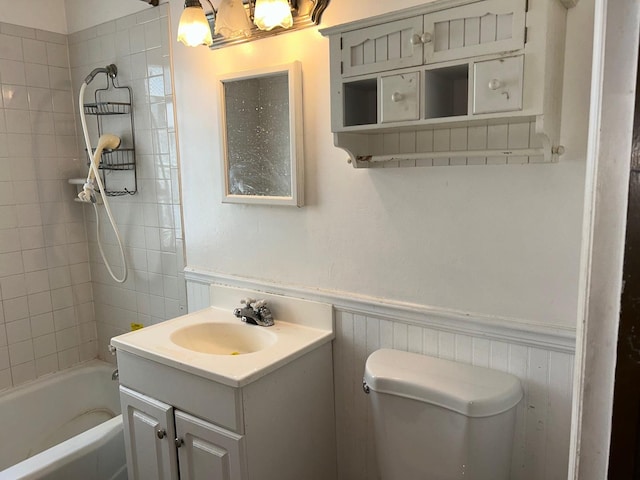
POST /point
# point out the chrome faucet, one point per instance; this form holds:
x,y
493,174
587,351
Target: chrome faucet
x,y
255,312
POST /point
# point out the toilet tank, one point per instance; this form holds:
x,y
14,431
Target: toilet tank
x,y
440,420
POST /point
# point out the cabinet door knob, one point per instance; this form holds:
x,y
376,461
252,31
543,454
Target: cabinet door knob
x,y
396,97
495,84
420,39
179,442
161,433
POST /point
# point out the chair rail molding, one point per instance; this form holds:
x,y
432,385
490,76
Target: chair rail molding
x,y
514,331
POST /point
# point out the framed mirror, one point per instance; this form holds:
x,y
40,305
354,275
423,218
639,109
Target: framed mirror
x,y
262,147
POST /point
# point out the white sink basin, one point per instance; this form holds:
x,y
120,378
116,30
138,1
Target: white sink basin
x,y
223,338
214,344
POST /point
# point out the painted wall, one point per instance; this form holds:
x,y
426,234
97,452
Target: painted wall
x,y
43,14
81,14
501,241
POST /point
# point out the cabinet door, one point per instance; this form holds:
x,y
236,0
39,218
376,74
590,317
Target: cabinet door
x,y
382,47
208,451
149,436
489,26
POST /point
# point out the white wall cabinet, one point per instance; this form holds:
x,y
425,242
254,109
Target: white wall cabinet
x,y
450,82
180,426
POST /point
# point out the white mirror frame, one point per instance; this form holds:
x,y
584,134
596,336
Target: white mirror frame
x,y
296,150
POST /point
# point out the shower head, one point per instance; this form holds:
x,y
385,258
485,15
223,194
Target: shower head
x,y
110,70
106,141
109,141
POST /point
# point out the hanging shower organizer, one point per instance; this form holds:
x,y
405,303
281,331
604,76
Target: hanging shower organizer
x,y
113,111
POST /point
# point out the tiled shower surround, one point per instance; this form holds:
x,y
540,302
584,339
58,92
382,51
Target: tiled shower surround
x,y
47,316
58,304
150,220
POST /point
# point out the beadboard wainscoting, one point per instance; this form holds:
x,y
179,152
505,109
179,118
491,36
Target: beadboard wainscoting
x,y
541,357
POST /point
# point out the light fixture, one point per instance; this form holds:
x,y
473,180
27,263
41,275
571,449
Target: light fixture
x,y
269,14
231,23
232,20
194,28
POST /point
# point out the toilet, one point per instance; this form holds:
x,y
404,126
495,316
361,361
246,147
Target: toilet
x,y
436,419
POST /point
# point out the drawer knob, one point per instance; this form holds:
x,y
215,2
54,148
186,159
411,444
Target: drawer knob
x,y
494,84
420,39
161,433
396,97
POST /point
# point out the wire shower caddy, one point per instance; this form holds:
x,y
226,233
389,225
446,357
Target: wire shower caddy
x,y
111,102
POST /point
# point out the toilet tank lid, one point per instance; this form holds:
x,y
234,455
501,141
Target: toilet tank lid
x,y
466,389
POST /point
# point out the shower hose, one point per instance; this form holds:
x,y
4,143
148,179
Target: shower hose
x,y
93,169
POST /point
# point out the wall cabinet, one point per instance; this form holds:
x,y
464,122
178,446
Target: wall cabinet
x,y
450,82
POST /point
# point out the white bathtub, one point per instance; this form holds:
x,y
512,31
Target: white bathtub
x,y
64,426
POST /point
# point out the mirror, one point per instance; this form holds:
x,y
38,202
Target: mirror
x,y
261,121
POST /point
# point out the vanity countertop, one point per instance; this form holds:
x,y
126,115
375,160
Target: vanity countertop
x,y
285,342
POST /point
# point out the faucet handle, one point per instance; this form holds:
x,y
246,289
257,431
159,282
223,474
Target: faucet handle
x,y
259,304
247,301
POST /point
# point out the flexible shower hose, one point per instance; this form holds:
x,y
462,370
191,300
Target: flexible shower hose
x,y
94,169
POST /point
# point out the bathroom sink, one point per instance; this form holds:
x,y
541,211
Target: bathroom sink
x,y
212,343
223,338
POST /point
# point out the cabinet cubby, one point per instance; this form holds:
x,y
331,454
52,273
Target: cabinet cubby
x,y
361,102
446,91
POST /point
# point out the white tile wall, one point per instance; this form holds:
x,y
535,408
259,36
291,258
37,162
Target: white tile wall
x,y
155,289
39,224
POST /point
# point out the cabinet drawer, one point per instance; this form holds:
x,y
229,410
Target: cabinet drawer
x,y
400,97
497,85
382,47
481,28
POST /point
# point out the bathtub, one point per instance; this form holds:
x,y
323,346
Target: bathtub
x,y
64,426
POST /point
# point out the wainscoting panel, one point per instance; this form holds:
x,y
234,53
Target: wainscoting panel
x,y
540,356
541,444
197,296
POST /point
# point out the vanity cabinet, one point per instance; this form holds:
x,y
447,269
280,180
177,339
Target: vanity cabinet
x,y
450,82
165,443
179,425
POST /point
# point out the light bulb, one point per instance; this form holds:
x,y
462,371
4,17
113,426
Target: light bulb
x,y
232,20
193,29
272,13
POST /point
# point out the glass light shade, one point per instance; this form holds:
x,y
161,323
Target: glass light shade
x,y
269,14
232,20
193,29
